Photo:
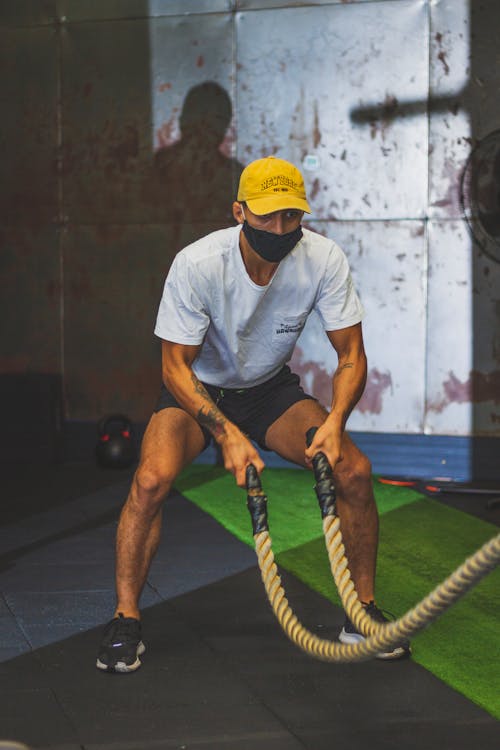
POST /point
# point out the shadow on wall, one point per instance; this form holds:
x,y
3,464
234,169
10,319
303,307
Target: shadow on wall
x,y
195,183
187,188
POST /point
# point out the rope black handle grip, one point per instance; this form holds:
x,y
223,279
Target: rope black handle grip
x,y
324,487
256,500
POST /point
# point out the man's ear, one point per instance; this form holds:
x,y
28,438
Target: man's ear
x,y
238,212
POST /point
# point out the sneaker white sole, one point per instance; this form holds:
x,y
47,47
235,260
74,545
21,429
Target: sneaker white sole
x,y
397,653
120,666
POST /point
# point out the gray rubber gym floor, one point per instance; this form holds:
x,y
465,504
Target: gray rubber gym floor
x,y
217,674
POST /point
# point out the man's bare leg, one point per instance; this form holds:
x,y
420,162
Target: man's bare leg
x,y
355,500
172,440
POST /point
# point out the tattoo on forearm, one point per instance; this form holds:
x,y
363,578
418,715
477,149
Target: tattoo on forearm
x,y
199,387
211,418
346,366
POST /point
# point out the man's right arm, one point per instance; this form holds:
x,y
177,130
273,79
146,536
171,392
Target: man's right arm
x,y
181,381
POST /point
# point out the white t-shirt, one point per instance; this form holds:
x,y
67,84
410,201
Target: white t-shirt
x,y
248,332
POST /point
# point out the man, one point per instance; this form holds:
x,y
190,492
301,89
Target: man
x,y
233,306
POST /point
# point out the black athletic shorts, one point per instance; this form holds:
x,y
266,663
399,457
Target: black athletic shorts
x,y
254,409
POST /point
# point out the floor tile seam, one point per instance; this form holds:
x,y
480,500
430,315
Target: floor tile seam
x,y
16,622
67,717
281,721
152,587
26,636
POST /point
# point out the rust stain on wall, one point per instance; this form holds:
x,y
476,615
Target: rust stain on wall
x,y
442,58
310,372
316,129
479,387
319,383
442,54
316,186
416,232
382,121
452,174
377,384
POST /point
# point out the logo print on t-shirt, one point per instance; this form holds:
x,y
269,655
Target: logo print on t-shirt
x,y
289,327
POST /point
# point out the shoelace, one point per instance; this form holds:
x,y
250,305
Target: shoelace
x,y
376,613
119,627
380,615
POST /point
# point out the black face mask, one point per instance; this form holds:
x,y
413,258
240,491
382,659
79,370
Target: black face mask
x,y
272,247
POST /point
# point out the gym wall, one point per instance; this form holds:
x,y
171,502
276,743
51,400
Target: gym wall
x,y
125,128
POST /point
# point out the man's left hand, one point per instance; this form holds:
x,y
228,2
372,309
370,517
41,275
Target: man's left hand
x,y
327,440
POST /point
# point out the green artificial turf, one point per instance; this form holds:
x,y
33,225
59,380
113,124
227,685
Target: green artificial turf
x,y
421,543
293,511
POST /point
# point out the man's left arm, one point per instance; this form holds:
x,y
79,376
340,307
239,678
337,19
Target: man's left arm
x,y
349,381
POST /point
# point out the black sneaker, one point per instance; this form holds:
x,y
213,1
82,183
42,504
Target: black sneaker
x,y
121,645
349,634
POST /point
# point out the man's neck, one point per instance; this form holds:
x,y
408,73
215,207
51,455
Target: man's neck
x,y
260,271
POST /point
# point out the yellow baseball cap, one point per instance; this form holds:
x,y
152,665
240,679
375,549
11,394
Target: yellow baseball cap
x,y
272,184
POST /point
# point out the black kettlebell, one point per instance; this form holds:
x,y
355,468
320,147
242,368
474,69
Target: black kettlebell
x,y
115,447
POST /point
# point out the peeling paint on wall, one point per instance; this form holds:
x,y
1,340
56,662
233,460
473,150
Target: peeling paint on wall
x,y
376,385
478,387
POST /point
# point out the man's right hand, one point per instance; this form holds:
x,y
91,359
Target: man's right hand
x,y
238,452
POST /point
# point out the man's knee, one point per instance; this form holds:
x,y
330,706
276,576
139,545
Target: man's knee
x,y
353,471
152,483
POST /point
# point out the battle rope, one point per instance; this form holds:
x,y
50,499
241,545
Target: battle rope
x,y
378,637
